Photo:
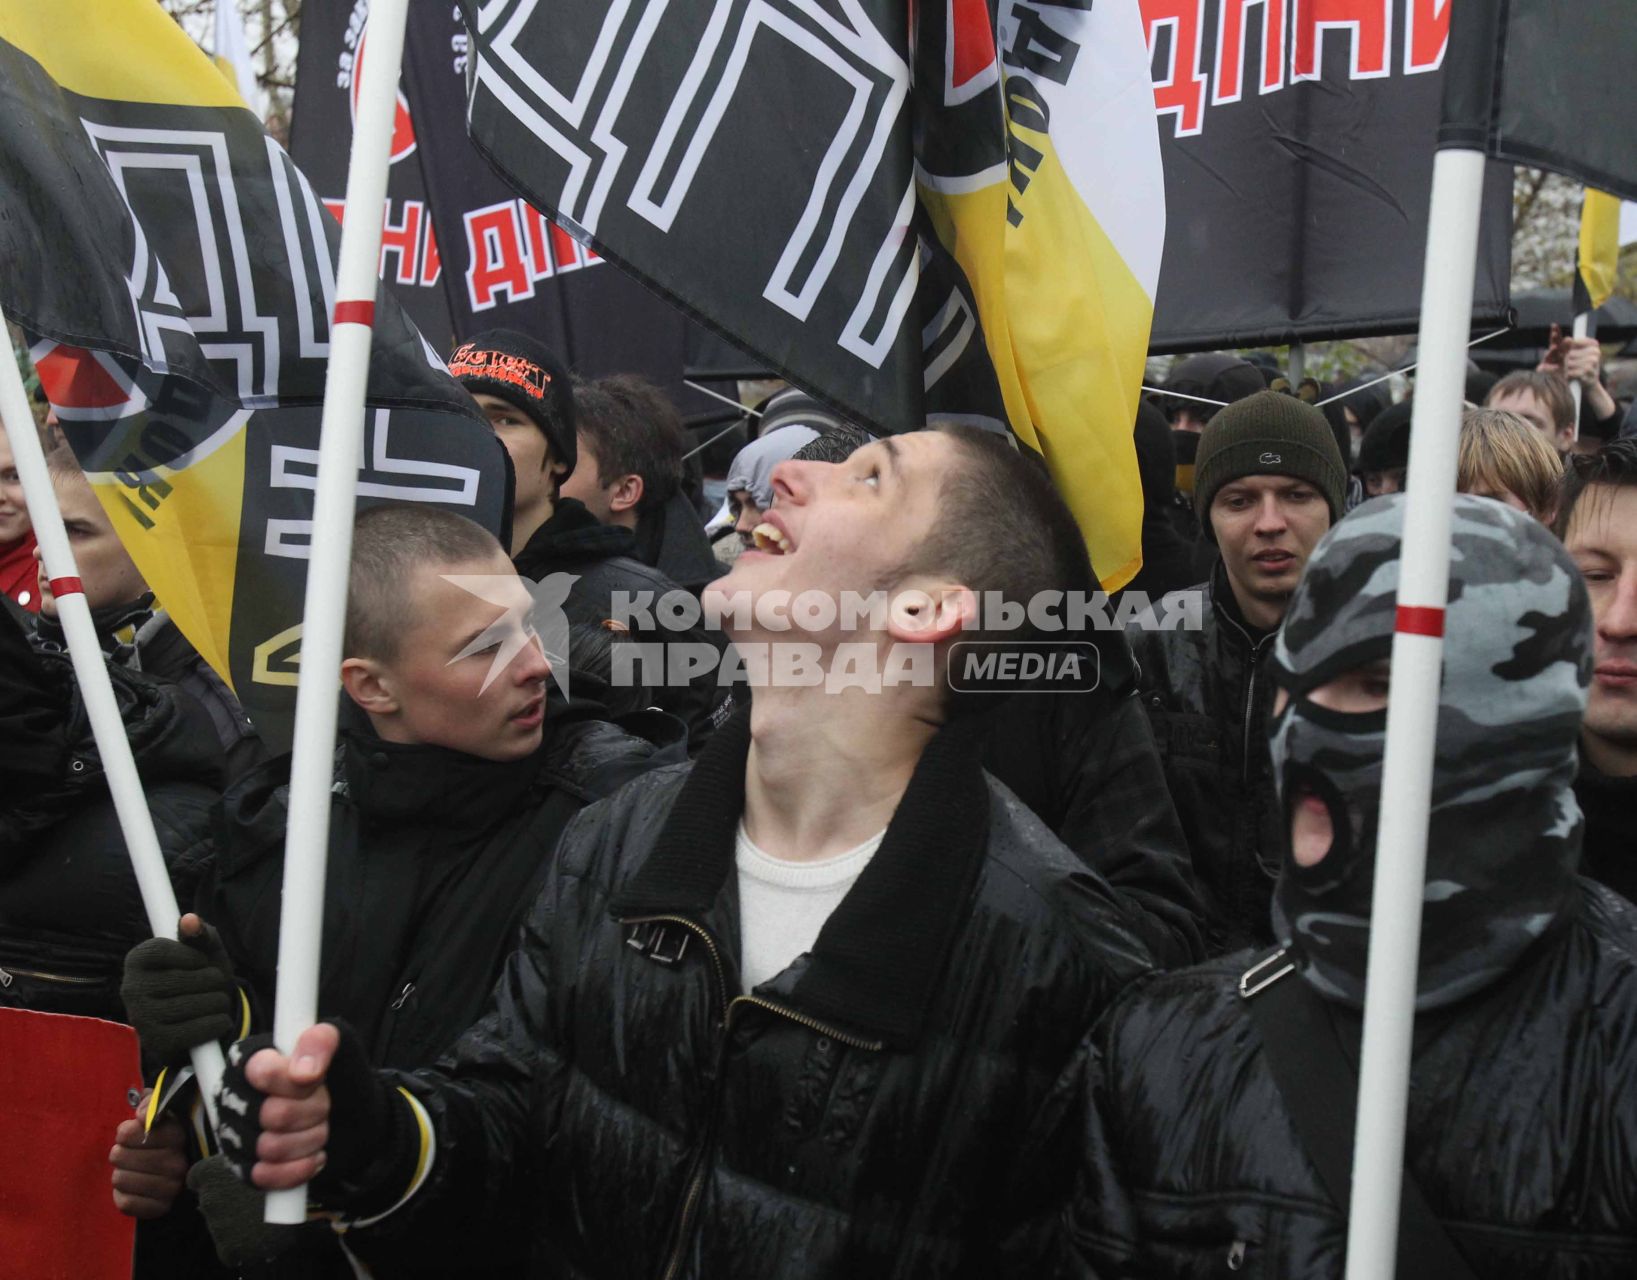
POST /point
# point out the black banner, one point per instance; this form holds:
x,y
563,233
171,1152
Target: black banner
x,y
1298,138
1548,83
461,249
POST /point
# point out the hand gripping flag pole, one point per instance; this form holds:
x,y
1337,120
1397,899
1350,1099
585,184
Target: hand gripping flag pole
x,y
1412,716
107,725
324,612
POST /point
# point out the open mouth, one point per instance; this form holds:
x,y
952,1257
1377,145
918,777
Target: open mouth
x,y
771,539
531,715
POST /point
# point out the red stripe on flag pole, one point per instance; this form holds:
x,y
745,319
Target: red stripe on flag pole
x,y
355,313
61,587
1419,620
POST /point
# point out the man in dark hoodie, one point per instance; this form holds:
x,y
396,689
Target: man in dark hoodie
x,y
1207,1085
452,787
1597,520
528,398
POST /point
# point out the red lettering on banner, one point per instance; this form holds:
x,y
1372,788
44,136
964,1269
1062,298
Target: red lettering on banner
x,y
1182,92
1369,23
431,260
337,208
1426,36
496,259
403,239
1230,48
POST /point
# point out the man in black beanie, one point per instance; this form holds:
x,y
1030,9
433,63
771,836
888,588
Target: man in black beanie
x,y
1269,482
526,393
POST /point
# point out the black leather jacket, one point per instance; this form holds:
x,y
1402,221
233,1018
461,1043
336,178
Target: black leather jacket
x,y
874,1110
1208,697
1522,1130
69,904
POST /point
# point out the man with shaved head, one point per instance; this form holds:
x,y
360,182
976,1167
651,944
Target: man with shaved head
x,y
452,788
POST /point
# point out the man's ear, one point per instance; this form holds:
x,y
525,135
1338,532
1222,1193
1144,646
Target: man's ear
x,y
931,611
625,494
369,684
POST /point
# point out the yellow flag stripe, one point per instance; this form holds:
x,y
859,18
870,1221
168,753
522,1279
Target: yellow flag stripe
x,y
1067,327
125,50
187,545
1599,245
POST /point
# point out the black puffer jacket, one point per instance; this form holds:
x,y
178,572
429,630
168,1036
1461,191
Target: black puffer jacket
x,y
1208,696
434,857
69,904
602,556
1522,1124
1608,850
1086,763
872,1111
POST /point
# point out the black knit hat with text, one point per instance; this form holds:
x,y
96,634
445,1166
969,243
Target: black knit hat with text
x,y
1269,433
515,368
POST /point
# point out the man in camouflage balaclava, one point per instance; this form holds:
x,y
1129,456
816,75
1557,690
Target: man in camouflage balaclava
x,y
1505,832
1201,1153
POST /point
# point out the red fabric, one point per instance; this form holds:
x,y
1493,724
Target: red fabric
x,y
18,572
65,1086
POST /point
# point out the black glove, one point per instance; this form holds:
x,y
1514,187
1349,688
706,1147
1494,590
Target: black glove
x,y
374,1143
180,994
233,1212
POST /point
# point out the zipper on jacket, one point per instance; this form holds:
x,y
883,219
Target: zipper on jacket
x,y
8,975
1250,699
812,1024
402,997
1236,1255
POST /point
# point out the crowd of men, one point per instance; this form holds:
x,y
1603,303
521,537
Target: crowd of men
x,y
876,977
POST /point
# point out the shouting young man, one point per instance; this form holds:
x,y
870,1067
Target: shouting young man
x,y
796,1010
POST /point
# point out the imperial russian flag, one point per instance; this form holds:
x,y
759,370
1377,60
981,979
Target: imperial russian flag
x,y
176,274
954,212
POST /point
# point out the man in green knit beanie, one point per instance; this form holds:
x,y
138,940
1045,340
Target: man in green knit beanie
x,y
1269,481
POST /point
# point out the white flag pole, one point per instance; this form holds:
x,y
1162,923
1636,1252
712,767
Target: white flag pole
x,y
324,612
90,670
1412,716
1298,364
1582,326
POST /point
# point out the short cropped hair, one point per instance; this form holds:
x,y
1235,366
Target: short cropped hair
x,y
834,445
1551,389
388,545
1614,466
1500,450
634,429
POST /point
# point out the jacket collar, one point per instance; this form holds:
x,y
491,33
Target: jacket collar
x,y
880,956
571,534
1228,614
433,786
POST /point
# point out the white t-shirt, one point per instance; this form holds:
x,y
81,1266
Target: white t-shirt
x,y
784,904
